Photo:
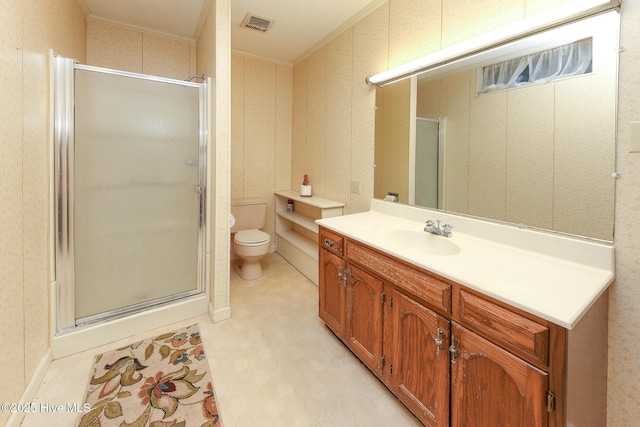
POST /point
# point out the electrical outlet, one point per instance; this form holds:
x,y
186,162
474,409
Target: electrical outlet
x,y
355,187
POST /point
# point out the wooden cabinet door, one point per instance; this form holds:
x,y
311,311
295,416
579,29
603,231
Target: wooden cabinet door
x,y
364,317
331,287
420,363
491,387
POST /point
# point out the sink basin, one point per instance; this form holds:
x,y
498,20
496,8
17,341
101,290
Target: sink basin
x,y
422,242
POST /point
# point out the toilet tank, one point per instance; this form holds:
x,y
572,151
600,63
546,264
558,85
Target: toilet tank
x,y
248,213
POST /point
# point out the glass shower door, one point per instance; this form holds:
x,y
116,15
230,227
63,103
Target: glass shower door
x,y
136,192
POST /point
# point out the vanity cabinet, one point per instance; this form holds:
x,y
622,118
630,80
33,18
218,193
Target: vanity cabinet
x,y
456,357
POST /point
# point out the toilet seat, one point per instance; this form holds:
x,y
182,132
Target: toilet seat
x,y
251,237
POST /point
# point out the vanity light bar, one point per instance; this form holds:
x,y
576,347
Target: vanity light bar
x,y
569,12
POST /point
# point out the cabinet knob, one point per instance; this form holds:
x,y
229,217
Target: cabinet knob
x,y
453,349
454,354
328,243
439,341
439,344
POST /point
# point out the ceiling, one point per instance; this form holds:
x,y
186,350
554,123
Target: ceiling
x,y
297,25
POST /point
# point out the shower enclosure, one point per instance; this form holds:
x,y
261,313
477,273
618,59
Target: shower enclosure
x,y
425,161
130,188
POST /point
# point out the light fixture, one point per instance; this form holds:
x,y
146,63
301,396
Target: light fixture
x,y
569,12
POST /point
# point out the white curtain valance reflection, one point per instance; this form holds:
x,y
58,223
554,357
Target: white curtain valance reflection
x,y
540,67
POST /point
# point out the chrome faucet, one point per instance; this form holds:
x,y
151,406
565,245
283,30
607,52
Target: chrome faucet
x,y
431,227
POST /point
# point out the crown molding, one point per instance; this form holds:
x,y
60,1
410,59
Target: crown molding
x,y
96,18
261,58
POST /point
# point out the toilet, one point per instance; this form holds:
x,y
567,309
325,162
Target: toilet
x,y
249,243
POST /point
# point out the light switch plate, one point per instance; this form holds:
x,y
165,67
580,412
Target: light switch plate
x,y
634,137
355,187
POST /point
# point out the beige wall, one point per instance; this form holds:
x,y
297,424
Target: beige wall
x,y
334,115
398,32
29,29
624,315
261,112
214,59
119,48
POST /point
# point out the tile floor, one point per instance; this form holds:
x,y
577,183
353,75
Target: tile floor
x,y
274,363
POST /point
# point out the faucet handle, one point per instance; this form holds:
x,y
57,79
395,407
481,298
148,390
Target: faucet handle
x,y
428,226
447,228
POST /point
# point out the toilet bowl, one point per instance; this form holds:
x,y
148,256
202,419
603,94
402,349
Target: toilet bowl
x,y
249,243
250,246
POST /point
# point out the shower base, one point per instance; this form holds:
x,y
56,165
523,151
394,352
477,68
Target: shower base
x,y
93,335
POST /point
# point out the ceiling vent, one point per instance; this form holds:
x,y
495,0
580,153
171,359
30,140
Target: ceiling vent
x,y
257,23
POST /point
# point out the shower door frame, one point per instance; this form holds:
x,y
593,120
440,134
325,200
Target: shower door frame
x,y
64,172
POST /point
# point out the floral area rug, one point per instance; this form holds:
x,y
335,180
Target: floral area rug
x,y
158,382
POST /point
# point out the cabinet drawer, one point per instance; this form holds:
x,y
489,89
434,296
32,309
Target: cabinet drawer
x,y
331,241
505,327
418,283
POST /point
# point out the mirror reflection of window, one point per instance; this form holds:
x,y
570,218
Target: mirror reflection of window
x,y
569,60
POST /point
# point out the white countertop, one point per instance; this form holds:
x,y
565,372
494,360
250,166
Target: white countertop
x,y
552,276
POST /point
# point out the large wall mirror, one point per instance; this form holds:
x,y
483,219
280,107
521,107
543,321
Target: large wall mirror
x,y
539,154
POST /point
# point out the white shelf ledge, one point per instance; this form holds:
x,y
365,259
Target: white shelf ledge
x,y
296,218
318,202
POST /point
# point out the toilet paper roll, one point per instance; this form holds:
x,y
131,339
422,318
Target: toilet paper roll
x,y
232,220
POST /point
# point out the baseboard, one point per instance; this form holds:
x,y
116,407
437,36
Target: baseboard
x,y
219,315
30,392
